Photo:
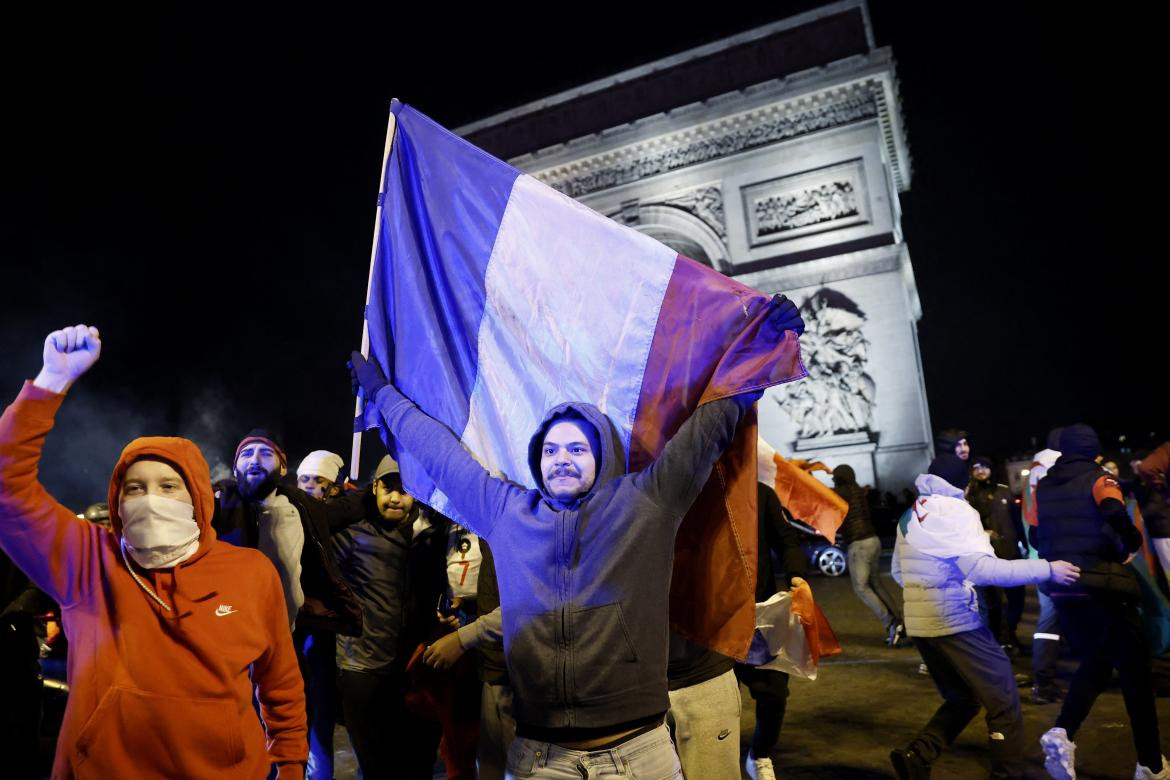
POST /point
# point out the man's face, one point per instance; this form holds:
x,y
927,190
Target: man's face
x,y
567,461
394,503
981,472
257,470
962,449
317,486
154,478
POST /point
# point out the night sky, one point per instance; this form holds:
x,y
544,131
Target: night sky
x,y
202,189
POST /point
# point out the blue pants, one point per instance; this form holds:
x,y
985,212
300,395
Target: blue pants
x,y
649,756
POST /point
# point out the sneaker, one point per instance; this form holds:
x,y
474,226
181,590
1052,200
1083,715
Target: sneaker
x,y
908,765
922,669
1058,754
759,768
1145,773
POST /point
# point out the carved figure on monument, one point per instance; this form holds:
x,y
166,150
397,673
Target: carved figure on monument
x,y
838,395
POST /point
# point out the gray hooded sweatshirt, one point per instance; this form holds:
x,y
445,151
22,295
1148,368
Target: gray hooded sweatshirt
x,y
584,583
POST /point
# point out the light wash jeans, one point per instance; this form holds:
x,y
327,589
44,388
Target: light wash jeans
x,y
650,756
864,555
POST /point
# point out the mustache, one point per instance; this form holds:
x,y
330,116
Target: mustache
x,y
563,471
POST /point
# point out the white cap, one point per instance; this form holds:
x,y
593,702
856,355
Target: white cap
x,y
321,463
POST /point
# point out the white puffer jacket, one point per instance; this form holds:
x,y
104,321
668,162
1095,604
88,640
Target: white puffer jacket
x,y
941,553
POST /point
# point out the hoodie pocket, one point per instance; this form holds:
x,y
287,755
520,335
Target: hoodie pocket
x,y
533,658
133,732
604,660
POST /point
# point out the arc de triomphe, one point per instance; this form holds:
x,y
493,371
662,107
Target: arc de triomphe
x,y
775,156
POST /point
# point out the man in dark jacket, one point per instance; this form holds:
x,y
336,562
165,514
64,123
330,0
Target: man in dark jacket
x,y
584,568
394,559
1082,519
993,502
292,528
864,549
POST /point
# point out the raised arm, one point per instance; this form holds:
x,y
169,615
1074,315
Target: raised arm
x,y
676,477
57,551
476,495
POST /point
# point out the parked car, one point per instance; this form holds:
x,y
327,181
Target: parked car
x,y
823,555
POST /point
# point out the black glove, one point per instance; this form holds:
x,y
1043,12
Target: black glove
x,y
365,374
787,316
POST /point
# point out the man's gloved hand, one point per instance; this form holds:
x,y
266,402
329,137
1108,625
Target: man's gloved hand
x,y
787,316
365,374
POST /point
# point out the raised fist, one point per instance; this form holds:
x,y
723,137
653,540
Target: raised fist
x,y
68,354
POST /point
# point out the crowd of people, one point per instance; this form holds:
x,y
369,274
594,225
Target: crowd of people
x,y
226,629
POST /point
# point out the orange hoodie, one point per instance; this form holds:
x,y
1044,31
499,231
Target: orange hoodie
x,y
159,687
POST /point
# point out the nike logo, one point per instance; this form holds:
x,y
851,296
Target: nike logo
x,y
224,609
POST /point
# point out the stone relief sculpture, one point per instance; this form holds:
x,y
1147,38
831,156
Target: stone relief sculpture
x,y
788,211
838,395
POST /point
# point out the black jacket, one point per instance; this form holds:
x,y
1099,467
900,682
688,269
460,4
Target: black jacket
x,y
857,524
1072,527
329,605
993,502
398,573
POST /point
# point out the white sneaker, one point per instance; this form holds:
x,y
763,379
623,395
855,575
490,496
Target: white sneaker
x,y
1058,754
1145,773
759,768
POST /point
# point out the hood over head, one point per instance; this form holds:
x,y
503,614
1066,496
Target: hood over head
x,y
945,440
844,475
611,461
942,524
184,457
1080,440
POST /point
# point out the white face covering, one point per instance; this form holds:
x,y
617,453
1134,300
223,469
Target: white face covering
x,y
158,532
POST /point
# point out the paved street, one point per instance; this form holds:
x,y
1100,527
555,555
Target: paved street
x,y
871,699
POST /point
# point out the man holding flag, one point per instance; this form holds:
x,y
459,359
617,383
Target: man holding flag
x,y
493,298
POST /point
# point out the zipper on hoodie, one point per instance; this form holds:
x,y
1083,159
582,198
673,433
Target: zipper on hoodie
x,y
563,597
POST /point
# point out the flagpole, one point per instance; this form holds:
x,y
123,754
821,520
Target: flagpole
x,y
356,450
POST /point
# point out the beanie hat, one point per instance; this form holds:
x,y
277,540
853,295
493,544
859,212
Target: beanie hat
x,y
321,463
261,436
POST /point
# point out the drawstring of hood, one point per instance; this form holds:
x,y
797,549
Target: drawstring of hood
x,y
145,588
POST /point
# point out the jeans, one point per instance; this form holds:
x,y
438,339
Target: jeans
x,y
649,756
705,722
1106,633
971,671
863,573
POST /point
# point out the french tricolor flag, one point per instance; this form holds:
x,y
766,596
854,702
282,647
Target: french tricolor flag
x,y
493,297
